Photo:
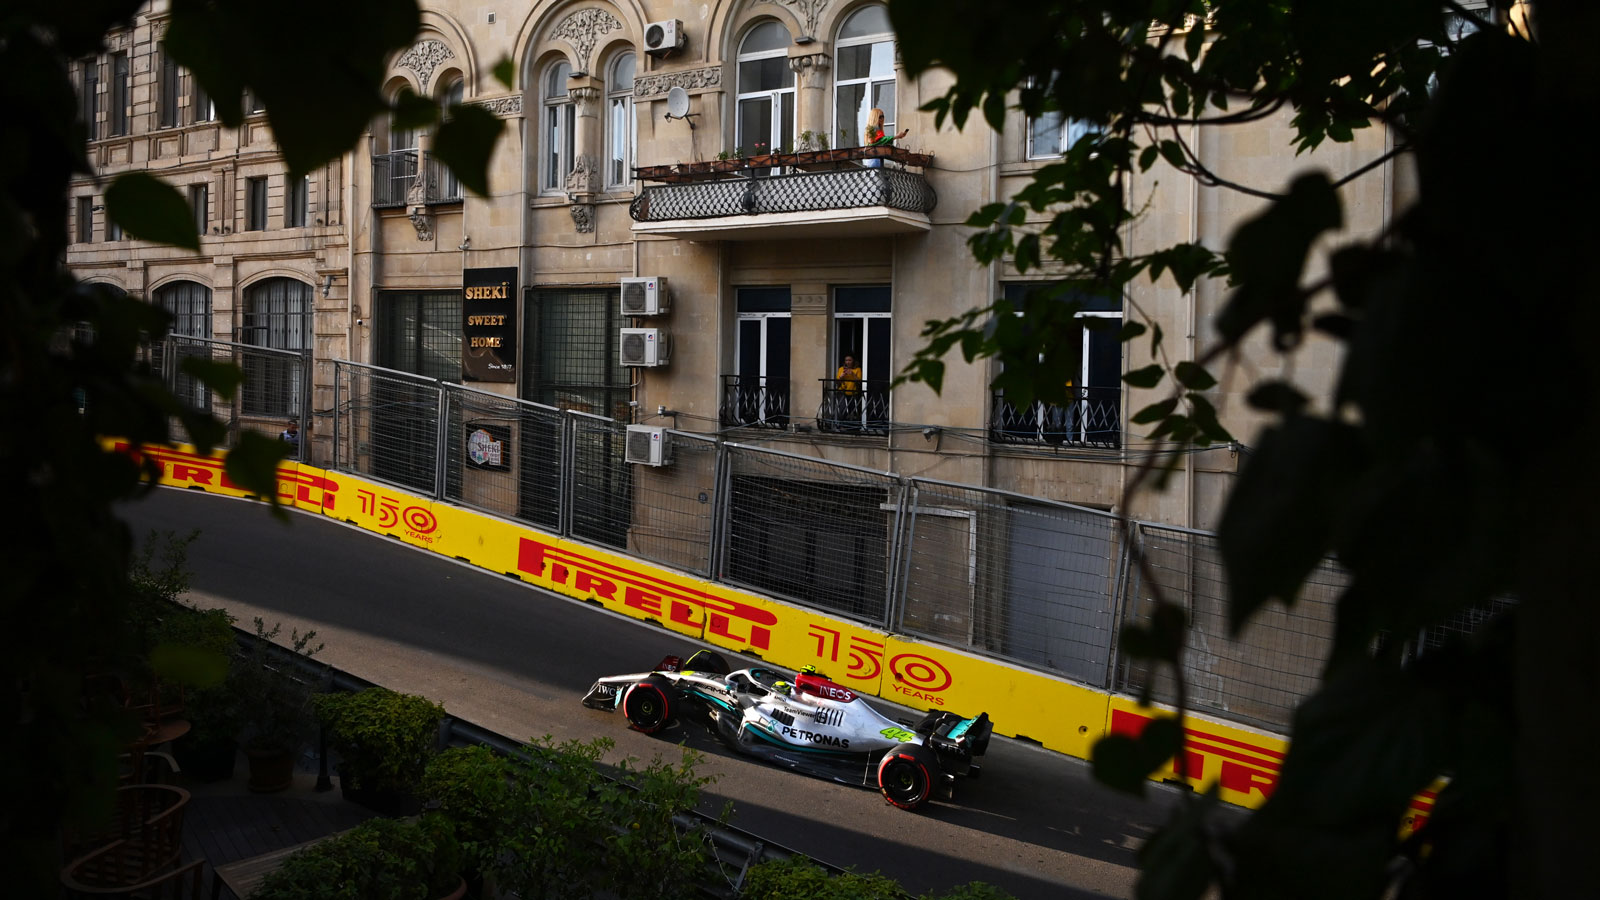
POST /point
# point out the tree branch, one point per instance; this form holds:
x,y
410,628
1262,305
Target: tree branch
x,y
1398,149
1198,170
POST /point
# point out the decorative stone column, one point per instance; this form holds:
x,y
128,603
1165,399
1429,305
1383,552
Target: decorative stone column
x,y
811,93
584,180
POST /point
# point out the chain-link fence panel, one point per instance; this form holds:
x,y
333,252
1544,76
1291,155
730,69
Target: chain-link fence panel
x,y
503,455
271,401
1012,576
815,532
602,481
674,504
387,426
1258,677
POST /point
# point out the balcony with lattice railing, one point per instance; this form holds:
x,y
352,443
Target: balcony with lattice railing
x,y
857,191
1092,419
395,174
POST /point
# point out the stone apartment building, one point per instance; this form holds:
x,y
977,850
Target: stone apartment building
x,y
768,274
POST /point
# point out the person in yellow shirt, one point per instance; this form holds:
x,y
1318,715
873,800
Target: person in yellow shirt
x,y
848,380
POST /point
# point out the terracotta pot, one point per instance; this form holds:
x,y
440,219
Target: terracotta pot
x,y
457,894
270,770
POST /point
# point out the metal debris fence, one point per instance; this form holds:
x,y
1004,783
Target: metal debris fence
x,y
1044,584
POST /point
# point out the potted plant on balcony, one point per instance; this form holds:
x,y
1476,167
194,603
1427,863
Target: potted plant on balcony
x,y
384,739
726,162
276,704
380,859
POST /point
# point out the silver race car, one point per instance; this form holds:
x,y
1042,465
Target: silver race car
x,y
810,724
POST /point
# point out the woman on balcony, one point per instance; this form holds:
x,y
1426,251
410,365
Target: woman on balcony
x,y
874,136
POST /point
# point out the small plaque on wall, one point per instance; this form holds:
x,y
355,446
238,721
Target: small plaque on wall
x,y
488,446
489,324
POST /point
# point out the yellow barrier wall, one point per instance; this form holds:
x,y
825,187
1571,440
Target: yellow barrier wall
x,y
1058,714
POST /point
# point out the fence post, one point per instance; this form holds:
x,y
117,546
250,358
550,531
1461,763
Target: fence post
x,y
442,426
899,543
568,475
903,566
719,524
336,374
305,406
1119,602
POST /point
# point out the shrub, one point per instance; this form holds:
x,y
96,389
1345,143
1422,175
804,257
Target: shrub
x,y
276,700
798,878
474,788
380,859
385,737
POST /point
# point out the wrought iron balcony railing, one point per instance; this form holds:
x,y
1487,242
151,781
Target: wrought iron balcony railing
x,y
800,192
854,407
754,400
1092,420
394,174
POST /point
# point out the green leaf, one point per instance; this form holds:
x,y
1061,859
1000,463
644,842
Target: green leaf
x,y
150,209
1204,416
1194,376
1277,396
222,377
411,112
465,143
253,464
1155,412
1129,331
1117,763
1173,154
1147,377
188,665
1175,863
1194,40
1147,157
505,72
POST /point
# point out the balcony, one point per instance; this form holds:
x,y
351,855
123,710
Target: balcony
x,y
754,401
854,192
852,408
1092,420
395,174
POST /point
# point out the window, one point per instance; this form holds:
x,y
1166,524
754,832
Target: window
x,y
119,93
863,75
296,201
861,324
417,332
1093,414
449,185
168,107
758,391
277,314
200,205
255,208
89,77
620,137
85,219
560,126
113,229
200,106
1051,134
189,303
253,102
766,90
420,333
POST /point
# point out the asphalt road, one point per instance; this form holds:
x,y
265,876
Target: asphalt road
x,y
517,659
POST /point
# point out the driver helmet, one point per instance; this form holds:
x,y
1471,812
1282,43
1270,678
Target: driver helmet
x,y
780,687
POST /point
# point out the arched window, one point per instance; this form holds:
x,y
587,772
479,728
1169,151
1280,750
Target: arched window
x,y
189,302
766,90
560,126
620,136
277,314
863,75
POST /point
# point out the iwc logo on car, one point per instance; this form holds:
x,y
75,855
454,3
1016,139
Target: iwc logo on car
x,y
815,738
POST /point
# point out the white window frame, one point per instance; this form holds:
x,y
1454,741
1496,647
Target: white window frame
x,y
621,123
774,97
558,122
857,136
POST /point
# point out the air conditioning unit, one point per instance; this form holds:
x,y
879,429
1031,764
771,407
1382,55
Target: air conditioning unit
x,y
645,296
661,38
645,347
648,445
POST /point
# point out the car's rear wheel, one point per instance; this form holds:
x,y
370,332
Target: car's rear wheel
x,y
648,704
905,776
707,661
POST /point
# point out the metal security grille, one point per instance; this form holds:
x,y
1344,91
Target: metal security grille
x,y
1257,677
395,173
815,532
1014,576
277,314
801,192
420,332
292,369
754,401
386,426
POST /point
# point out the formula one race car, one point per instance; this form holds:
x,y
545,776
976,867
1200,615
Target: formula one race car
x,y
810,724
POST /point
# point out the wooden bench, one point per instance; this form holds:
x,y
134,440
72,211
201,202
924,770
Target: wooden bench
x,y
244,876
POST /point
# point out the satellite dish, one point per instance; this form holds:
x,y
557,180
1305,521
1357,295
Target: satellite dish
x,y
677,103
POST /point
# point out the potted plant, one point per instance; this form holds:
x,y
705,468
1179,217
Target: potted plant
x,y
384,739
380,859
276,704
477,790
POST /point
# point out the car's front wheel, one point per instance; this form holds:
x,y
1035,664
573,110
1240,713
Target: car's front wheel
x,y
905,776
648,704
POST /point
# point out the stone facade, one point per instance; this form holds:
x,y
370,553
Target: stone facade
x,y
557,213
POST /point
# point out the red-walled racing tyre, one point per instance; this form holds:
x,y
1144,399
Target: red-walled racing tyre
x,y
905,776
648,704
